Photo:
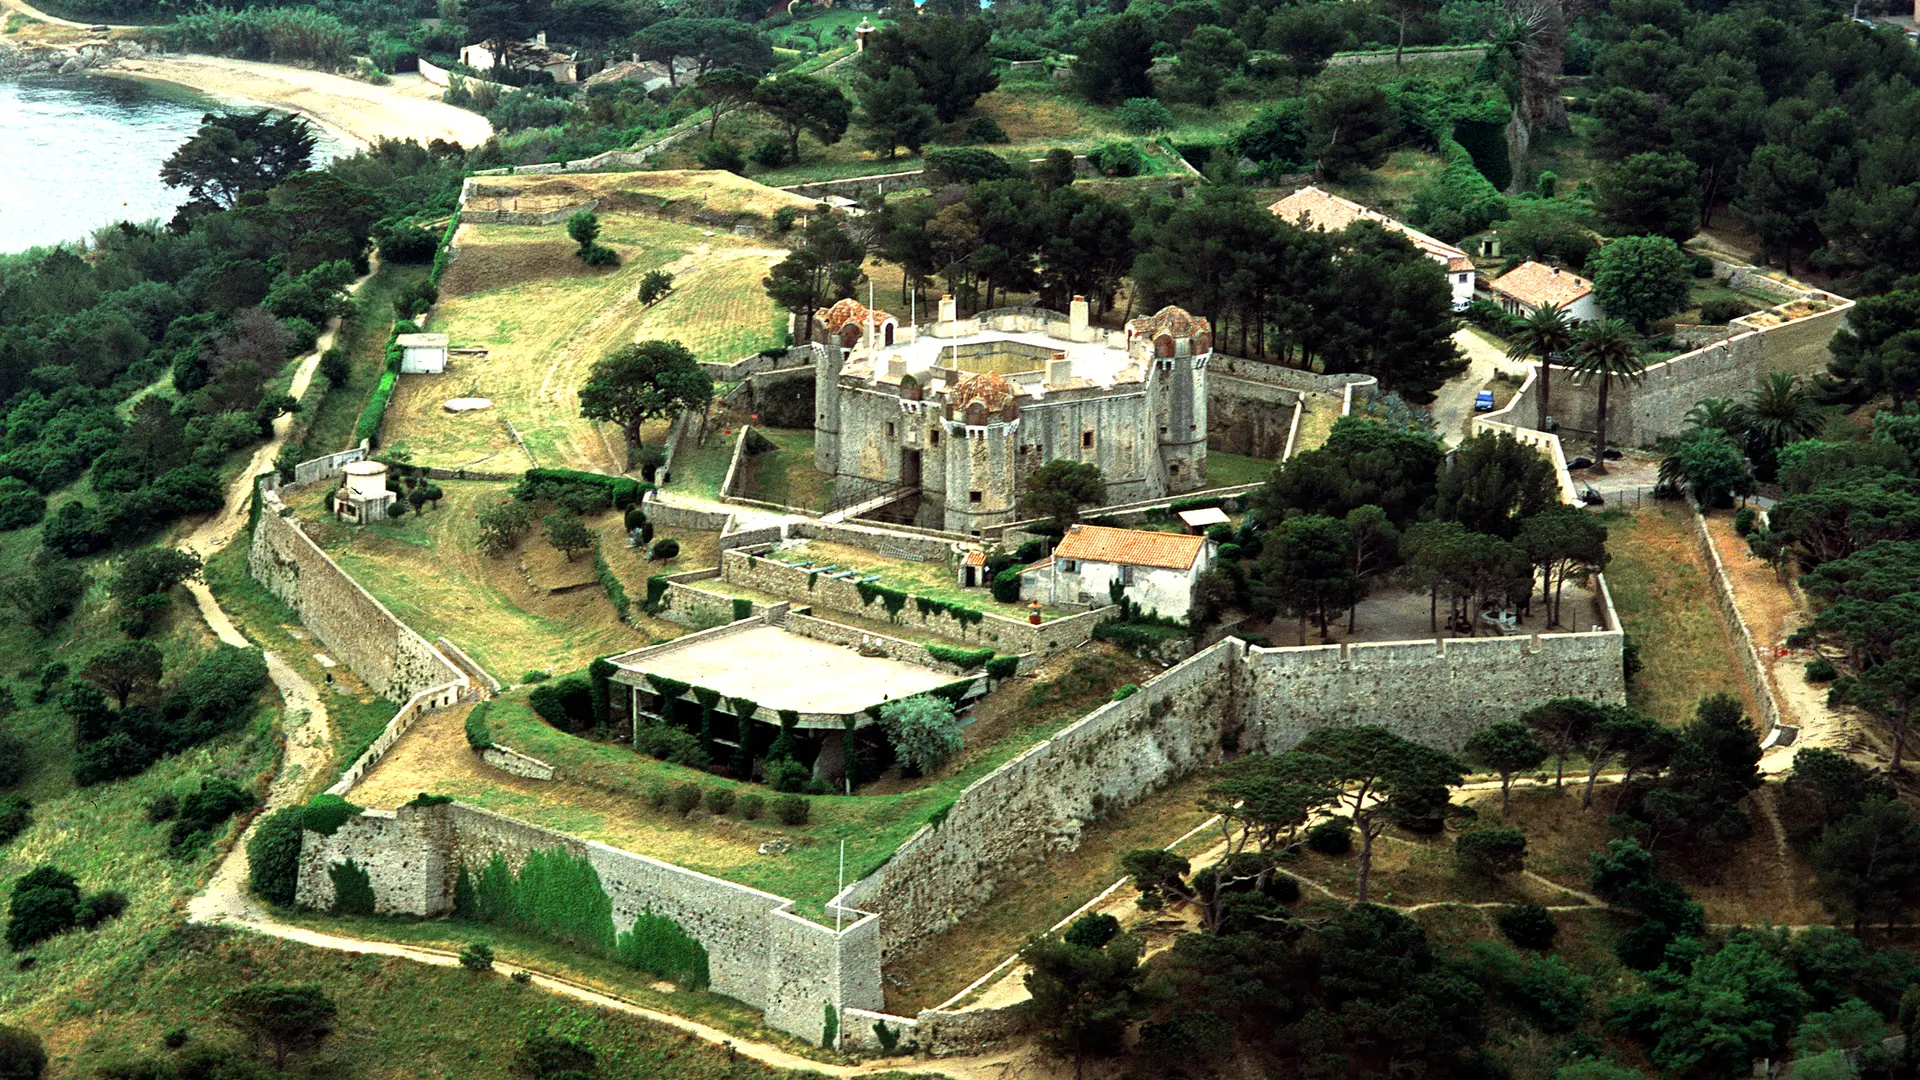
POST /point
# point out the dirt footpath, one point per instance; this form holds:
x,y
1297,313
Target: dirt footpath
x,y
358,111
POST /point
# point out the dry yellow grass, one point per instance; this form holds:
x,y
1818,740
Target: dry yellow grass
x,y
545,318
671,191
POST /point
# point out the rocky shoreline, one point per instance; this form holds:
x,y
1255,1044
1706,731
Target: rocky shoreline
x,y
65,59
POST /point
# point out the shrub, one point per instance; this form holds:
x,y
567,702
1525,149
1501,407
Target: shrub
x,y
1821,670
792,810
924,730
672,745
1143,116
273,856
1118,159
1529,926
751,806
46,903
787,775
685,798
20,504
656,794
1006,585
1093,930
21,1055
98,907
204,811
1744,520
479,732
985,129
1333,836
1125,692
477,956
16,817
724,155
1725,310
547,1057
408,244
719,800
175,1038
1491,851
772,152
1001,667
784,218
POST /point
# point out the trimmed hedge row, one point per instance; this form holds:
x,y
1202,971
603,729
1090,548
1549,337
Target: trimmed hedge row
x,y
368,426
623,490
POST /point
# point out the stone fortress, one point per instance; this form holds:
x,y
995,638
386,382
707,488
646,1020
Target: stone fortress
x,y
963,415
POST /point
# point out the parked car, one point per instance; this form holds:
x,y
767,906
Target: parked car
x,y
1483,401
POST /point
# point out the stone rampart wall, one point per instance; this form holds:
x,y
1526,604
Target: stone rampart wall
x,y
888,542
384,652
1434,692
822,590
1752,666
667,516
1641,413
1250,418
758,950
509,760
690,605
420,704
327,466
1004,826
737,370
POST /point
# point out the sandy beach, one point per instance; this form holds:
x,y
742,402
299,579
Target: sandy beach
x,y
354,111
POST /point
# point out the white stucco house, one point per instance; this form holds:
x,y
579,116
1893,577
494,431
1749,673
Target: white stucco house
x,y
422,354
534,55
1313,208
1531,286
1156,570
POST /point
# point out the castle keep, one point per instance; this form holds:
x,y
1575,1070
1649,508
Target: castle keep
x,y
964,413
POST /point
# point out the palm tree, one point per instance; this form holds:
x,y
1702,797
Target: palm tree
x,y
1780,411
1606,348
1543,333
1713,414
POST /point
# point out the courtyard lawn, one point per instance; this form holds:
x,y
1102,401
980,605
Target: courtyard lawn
x,y
544,319
935,581
1229,470
1660,589
786,474
427,569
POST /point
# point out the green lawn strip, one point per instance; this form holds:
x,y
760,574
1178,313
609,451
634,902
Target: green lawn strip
x,y
700,470
872,825
786,474
261,616
1661,593
929,581
1228,470
397,1018
364,336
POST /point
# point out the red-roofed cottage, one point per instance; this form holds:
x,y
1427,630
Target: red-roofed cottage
x,y
1155,570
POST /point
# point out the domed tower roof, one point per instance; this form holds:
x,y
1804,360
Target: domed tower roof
x,y
1172,321
851,311
992,393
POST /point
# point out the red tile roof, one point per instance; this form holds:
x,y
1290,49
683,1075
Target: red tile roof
x,y
1134,547
1538,285
1327,211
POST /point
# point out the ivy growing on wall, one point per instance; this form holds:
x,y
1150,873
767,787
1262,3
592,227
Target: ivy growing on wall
x,y
599,684
559,895
668,688
964,659
352,889
1001,667
656,588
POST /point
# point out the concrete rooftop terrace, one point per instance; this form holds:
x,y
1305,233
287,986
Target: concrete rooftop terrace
x,y
1100,363
778,670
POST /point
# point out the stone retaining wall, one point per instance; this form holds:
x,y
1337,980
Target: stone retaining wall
x,y
807,587
420,704
888,541
1641,413
1752,667
509,760
1253,419
667,516
1005,825
328,466
383,651
758,950
1434,692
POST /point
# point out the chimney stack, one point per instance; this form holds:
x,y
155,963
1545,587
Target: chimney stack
x,y
1077,312
949,310
1059,371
